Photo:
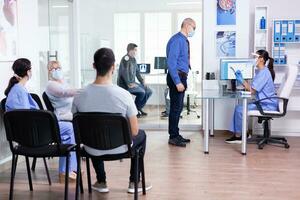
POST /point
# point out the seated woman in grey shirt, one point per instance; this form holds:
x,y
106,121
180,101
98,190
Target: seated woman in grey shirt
x,y
60,94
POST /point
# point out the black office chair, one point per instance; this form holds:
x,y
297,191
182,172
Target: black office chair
x,y
37,99
104,131
34,133
47,102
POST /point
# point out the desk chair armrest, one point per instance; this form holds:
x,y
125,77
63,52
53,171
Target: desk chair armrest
x,y
262,112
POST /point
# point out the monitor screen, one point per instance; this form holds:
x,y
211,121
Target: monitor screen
x,y
228,67
160,63
144,68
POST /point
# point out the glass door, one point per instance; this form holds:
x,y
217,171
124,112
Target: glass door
x,y
55,17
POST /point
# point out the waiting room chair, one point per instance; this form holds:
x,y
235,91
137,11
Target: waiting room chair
x,y
34,133
47,102
265,116
104,131
37,99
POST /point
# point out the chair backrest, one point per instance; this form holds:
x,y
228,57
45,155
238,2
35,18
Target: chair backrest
x,y
287,83
3,101
37,99
47,102
102,131
31,128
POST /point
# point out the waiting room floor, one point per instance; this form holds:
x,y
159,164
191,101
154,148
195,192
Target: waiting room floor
x,y
184,173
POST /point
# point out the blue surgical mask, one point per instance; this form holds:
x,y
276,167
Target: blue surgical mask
x,y
57,74
191,33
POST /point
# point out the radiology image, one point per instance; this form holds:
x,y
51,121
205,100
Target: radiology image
x,y
226,43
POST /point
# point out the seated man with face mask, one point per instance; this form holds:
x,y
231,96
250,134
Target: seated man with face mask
x,y
60,94
128,70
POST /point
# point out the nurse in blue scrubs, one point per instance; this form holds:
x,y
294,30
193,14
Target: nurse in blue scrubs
x,y
19,98
262,87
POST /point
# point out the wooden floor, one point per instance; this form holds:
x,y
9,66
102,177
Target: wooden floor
x,y
185,173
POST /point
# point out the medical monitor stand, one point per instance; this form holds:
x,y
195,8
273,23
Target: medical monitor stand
x,y
233,85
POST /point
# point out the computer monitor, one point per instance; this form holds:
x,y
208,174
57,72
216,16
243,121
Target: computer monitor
x,y
144,68
160,63
228,67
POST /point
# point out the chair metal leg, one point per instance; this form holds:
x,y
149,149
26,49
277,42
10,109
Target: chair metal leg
x,y
88,175
47,171
136,179
14,162
78,178
33,164
143,175
67,177
29,173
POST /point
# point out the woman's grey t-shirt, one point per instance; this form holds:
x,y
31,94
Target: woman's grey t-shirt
x,y
104,98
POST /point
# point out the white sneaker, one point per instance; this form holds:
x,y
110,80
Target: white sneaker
x,y
130,190
100,187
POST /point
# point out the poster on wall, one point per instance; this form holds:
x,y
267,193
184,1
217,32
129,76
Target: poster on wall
x,y
226,12
225,44
8,30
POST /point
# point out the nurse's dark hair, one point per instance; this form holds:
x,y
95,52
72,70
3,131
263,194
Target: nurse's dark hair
x,y
104,59
20,68
265,55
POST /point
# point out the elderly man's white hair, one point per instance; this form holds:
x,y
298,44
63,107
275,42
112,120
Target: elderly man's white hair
x,y
187,21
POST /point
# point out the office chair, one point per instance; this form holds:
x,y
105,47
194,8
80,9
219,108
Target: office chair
x,y
265,116
190,92
104,131
34,133
37,99
47,102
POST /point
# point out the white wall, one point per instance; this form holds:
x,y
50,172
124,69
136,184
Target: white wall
x,y
224,108
27,44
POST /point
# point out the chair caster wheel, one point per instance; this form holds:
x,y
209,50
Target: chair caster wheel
x,y
260,147
198,117
286,146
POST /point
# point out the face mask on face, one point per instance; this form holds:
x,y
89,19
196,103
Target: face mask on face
x,y
57,74
191,33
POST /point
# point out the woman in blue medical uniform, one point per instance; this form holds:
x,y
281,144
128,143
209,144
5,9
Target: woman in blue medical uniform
x,y
19,98
262,87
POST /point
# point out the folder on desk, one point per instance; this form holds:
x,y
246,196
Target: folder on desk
x,y
291,31
297,31
276,53
277,31
284,30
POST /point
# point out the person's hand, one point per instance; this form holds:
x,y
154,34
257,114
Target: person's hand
x,y
180,87
239,77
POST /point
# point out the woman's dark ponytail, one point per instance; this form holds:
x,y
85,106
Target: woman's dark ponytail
x,y
271,67
12,81
20,68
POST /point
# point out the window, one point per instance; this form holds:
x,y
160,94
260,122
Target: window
x,y
126,30
158,30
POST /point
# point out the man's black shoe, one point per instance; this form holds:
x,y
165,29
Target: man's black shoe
x,y
139,115
177,142
143,113
185,140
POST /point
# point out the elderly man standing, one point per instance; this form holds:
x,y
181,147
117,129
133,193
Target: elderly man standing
x,y
178,59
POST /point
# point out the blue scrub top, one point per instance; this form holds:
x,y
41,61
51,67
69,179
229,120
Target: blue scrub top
x,y
264,86
19,98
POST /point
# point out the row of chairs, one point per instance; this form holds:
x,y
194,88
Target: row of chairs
x,y
35,133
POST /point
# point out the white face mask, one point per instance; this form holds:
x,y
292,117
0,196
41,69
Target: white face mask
x,y
29,74
57,74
